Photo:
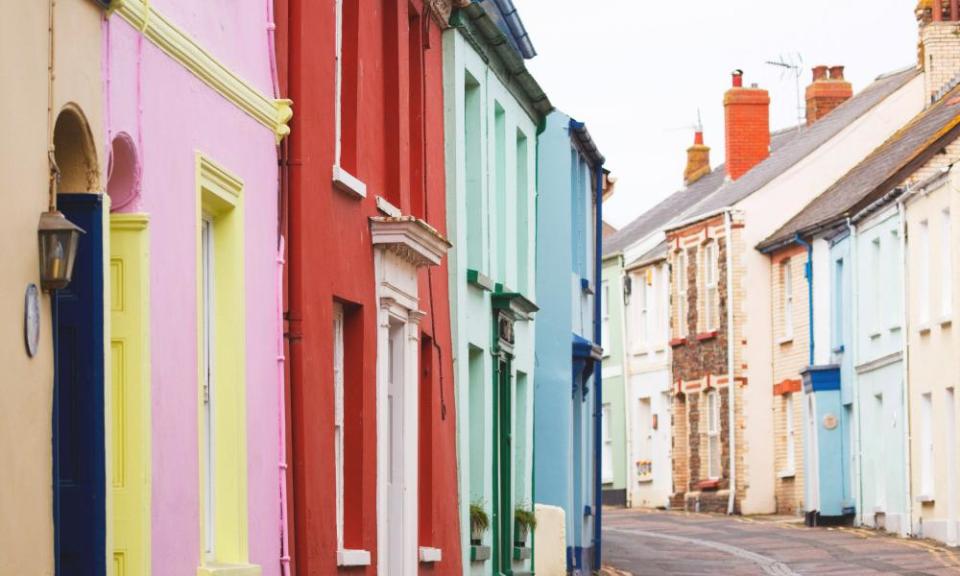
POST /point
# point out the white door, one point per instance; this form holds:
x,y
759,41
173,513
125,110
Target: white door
x,y
395,452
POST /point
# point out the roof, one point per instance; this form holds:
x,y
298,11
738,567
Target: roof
x,y
655,254
887,166
505,14
807,140
587,145
608,230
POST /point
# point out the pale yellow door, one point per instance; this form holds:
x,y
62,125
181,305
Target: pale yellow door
x,y
130,395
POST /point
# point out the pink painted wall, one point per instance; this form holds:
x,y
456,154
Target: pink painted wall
x,y
180,116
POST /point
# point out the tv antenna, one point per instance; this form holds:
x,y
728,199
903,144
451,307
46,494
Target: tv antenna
x,y
792,65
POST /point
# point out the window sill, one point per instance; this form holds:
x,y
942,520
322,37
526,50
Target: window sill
x,y
521,553
786,474
925,499
430,555
703,337
677,342
479,554
875,335
784,340
346,182
353,558
479,280
838,349
924,329
894,329
388,208
586,287
229,570
946,322
705,485
647,479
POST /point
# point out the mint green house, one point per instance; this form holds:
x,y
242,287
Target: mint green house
x,y
614,433
492,109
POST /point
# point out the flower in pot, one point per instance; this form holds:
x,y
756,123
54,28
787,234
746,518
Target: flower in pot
x,y
479,523
525,520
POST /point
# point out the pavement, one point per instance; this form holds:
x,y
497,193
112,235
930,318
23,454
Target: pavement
x,y
654,543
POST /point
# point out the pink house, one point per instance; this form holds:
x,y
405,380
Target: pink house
x,y
193,411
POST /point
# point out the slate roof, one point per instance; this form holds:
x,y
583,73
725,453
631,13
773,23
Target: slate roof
x,y
887,166
807,141
677,206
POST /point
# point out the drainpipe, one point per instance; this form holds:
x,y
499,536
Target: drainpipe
x,y
905,347
808,273
598,374
731,380
855,345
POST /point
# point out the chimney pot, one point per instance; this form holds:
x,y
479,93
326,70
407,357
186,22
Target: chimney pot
x,y
698,138
738,78
836,72
824,95
819,73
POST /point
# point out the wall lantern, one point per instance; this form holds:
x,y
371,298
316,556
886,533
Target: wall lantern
x,y
58,249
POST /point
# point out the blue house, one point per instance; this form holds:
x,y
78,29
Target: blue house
x,y
567,402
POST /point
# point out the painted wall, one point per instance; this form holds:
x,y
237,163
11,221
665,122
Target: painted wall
x,y
614,379
332,260
146,91
26,527
564,400
473,93
932,289
649,371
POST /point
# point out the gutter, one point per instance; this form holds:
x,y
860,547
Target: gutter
x,y
519,31
698,218
731,380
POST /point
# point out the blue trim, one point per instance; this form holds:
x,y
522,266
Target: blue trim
x,y
597,370
821,378
808,273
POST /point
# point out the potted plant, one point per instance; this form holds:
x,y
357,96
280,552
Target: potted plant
x,y
525,520
479,523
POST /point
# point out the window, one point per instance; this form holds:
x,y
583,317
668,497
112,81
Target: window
x,y
338,415
923,299
926,445
711,300
425,497
478,427
346,108
605,318
500,180
714,463
681,276
206,254
880,426
607,462
643,307
415,103
523,211
788,407
786,297
946,266
522,435
473,146
879,294
838,304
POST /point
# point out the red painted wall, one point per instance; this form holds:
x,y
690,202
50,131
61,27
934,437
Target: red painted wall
x,y
399,155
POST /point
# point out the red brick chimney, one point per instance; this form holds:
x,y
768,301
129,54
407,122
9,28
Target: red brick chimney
x,y
747,112
826,93
698,160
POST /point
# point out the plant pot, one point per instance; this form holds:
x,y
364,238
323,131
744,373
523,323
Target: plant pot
x,y
520,534
476,536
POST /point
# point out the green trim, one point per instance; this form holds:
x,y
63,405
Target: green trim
x,y
479,279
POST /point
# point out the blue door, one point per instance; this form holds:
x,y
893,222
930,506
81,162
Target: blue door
x,y
78,435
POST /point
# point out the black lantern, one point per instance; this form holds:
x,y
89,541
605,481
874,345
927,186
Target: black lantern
x,y
58,249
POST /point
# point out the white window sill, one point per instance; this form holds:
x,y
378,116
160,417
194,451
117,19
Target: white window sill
x,y
894,328
946,322
925,499
388,208
784,474
348,183
924,328
353,558
430,555
229,570
879,509
785,340
875,335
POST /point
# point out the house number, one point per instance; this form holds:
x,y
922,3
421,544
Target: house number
x,y
830,421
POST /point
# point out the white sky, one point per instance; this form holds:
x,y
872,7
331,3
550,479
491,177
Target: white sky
x,y
636,71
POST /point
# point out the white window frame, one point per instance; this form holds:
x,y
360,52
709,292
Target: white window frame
x,y
714,450
607,456
927,474
923,292
791,432
644,308
786,297
338,415
946,265
605,317
711,277
209,411
682,285
342,179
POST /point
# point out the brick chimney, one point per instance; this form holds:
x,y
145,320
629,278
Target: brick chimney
x,y
939,50
698,160
826,92
747,112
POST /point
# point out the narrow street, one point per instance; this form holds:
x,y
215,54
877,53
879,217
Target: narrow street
x,y
646,543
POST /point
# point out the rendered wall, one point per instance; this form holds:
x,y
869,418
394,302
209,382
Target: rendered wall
x,y
614,378
26,526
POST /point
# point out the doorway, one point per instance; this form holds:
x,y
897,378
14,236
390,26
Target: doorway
x,y
79,459
396,454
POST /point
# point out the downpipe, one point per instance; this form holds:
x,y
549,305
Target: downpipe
x,y
906,529
855,290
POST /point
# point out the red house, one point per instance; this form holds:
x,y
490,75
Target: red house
x,y
370,413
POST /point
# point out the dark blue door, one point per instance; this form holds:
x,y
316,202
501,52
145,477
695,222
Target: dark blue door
x,y
78,435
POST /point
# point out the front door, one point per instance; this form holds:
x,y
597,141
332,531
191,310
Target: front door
x,y
396,458
503,505
79,483
130,395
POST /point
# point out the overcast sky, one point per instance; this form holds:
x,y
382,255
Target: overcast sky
x,y
636,71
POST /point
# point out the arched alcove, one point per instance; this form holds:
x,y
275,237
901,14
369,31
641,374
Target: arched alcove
x,y
123,173
75,152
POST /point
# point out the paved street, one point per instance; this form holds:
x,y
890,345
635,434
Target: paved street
x,y
678,544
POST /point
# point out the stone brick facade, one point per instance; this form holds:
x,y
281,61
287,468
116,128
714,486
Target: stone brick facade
x,y
791,354
700,365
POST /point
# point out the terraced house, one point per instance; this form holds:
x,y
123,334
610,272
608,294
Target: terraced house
x,y
493,107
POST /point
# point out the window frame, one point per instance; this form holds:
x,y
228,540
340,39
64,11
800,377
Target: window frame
x,y
683,283
606,459
790,428
711,286
946,265
786,297
714,452
925,285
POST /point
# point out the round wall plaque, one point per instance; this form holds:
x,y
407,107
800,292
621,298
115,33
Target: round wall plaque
x,y
830,421
31,319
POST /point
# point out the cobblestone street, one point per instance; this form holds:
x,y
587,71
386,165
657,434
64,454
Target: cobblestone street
x,y
677,544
